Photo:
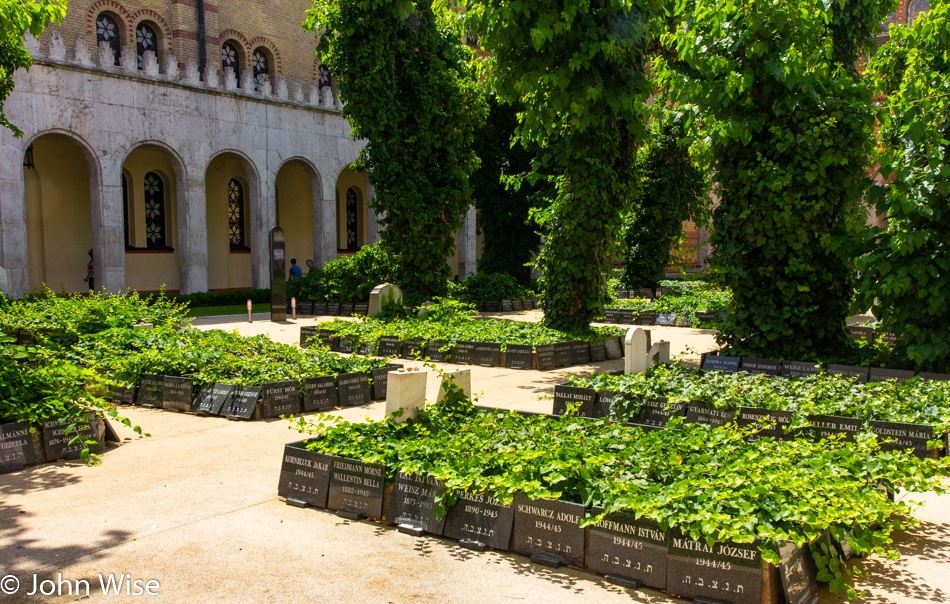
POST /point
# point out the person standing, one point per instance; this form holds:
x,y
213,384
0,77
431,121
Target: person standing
x,y
295,271
309,266
90,273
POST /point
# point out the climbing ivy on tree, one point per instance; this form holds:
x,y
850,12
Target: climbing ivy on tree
x,y
577,70
789,122
673,190
905,272
16,18
408,91
510,237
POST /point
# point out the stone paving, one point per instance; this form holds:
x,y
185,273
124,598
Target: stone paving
x,y
195,507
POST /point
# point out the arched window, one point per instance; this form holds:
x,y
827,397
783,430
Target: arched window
x,y
145,39
231,61
323,77
261,67
915,8
108,31
155,235
352,220
236,215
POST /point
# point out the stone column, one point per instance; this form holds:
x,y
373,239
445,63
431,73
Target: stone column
x,y
466,246
192,229
13,216
324,230
263,208
108,230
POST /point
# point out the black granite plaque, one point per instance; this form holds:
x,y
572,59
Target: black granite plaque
x,y
433,352
60,444
699,412
413,503
346,309
611,315
413,349
177,395
598,351
517,305
935,377
305,308
605,404
366,348
728,572
304,476
121,394
381,381
760,366
463,353
25,338
621,545
824,426
546,357
614,348
16,447
799,369
585,398
549,531
280,398
353,388
348,344
320,309
856,332
798,572
705,316
712,362
388,346
778,420
507,306
657,412
357,488
626,316
212,399
879,374
333,309
623,293
518,356
492,306
528,304
905,436
646,317
151,390
580,352
858,374
306,333
563,355
480,518
329,338
644,292
487,354
665,318
361,308
319,393
242,402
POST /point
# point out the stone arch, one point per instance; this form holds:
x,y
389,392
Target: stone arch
x,y
153,18
231,34
232,268
110,6
914,8
269,46
303,223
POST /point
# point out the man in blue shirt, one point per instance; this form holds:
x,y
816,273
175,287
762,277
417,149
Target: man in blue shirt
x,y
295,271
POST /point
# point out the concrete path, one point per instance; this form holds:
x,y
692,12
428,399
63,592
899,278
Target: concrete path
x,y
195,508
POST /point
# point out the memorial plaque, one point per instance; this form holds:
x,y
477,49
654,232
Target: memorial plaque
x,y
366,349
856,332
798,572
306,333
304,476
799,369
353,389
412,503
728,572
585,398
705,316
305,308
212,399
778,420
479,518
507,306
580,352
563,355
25,338
598,351
413,349
433,352
361,308
319,393
657,412
280,398
626,316
347,344
700,412
612,315
517,305
242,402
357,488
121,394
843,548
879,374
623,546
712,362
487,354
346,309
16,447
333,309
549,531
858,374
60,445
623,293
886,338
151,390
905,436
646,317
756,366
823,426
613,348
492,306
546,357
463,353
320,309
388,346
518,356
177,395
683,321
605,404
528,304
934,377
665,318
381,381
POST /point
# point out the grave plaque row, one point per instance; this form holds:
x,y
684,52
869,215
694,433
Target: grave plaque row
x,y
518,356
646,317
799,369
699,412
366,348
491,306
507,306
381,380
517,305
549,531
412,349
16,447
304,476
904,436
760,366
178,393
333,309
879,374
346,309
626,316
320,308
598,351
580,352
412,504
280,398
612,315
712,362
356,488
858,374
825,426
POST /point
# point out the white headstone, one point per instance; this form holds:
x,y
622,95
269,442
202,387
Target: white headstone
x,y
460,377
381,295
406,390
659,353
81,52
635,351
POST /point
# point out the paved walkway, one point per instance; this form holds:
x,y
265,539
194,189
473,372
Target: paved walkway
x,y
195,508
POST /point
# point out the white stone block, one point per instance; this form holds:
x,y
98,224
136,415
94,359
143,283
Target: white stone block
x,y
81,52
212,77
32,45
247,80
635,351
282,90
406,391
151,63
171,67
230,80
659,353
129,60
57,48
296,92
313,95
383,294
192,76
106,58
460,377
